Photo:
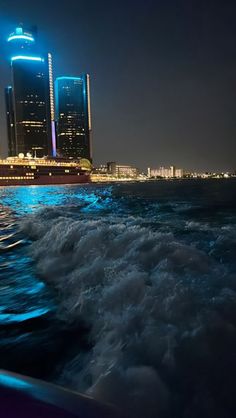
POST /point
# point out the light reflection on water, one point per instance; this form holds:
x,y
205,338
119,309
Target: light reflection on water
x,y
28,305
23,295
27,199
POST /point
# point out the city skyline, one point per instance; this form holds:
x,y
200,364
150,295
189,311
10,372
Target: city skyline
x,y
183,110
41,120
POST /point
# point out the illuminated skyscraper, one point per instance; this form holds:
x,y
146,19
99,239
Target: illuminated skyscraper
x,y
30,99
73,117
10,121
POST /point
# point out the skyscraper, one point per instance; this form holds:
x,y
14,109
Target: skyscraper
x,y
30,99
10,121
73,117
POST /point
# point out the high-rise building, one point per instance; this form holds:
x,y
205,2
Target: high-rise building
x,y
166,172
73,117
179,172
30,99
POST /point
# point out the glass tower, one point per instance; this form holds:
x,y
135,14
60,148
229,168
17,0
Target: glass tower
x,y
10,121
73,117
29,101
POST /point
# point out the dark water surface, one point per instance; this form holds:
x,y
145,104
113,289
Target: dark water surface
x,y
126,292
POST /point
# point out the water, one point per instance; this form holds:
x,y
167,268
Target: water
x,y
125,292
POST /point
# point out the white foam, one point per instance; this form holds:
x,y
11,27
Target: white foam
x,y
145,295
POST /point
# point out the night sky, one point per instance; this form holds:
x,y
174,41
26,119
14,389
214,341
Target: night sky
x,y
163,74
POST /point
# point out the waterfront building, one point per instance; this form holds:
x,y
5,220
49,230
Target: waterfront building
x,y
101,169
121,171
166,172
73,117
111,168
172,171
179,172
30,98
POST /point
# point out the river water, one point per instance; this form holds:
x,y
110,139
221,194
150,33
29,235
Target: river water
x,y
126,292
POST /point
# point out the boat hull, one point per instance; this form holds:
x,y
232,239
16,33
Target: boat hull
x,y
46,180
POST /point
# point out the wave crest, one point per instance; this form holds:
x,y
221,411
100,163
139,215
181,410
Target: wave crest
x,y
156,306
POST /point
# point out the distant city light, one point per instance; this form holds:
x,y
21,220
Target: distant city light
x,y
22,57
19,37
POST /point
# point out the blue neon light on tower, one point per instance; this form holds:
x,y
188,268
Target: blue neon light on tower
x,y
16,37
30,97
21,40
26,58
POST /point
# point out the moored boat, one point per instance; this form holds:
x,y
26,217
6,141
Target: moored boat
x,y
16,171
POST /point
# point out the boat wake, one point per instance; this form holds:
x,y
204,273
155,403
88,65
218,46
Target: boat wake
x,y
159,304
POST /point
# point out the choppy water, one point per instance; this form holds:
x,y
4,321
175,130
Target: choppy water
x,y
126,292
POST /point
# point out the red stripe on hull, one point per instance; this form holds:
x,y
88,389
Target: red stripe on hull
x,y
47,180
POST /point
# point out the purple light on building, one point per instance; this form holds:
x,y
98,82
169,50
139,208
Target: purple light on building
x,y
54,144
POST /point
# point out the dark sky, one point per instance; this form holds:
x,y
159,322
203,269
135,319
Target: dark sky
x,y
163,74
